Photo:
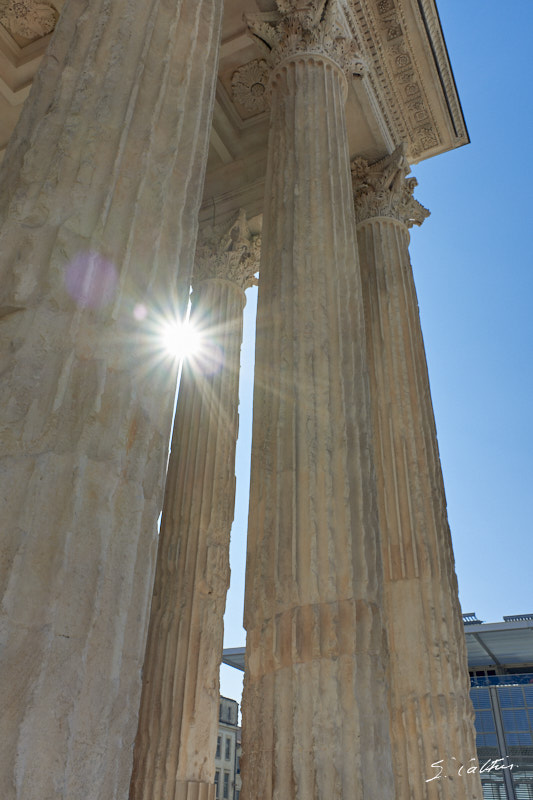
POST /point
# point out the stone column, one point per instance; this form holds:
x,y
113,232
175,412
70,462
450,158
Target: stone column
x,y
315,714
431,713
178,724
101,186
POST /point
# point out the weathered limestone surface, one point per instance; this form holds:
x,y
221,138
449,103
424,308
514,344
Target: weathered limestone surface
x,y
101,187
315,714
431,713
178,724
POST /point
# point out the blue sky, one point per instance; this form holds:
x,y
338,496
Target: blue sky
x,y
473,271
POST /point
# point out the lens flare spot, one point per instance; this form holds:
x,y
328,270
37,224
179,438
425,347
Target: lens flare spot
x,y
209,360
140,312
91,280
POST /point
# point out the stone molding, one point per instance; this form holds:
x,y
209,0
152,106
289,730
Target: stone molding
x,y
229,254
395,52
28,18
383,190
400,58
439,46
305,29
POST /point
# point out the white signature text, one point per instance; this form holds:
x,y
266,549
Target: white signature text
x,y
447,770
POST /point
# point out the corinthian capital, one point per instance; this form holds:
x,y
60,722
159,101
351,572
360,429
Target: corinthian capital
x,y
230,254
304,27
383,190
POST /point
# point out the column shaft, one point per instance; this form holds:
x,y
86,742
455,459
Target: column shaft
x,y
431,713
315,715
101,189
178,723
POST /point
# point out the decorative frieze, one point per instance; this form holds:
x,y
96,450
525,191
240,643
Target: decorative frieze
x,y
230,254
395,45
383,190
305,29
27,18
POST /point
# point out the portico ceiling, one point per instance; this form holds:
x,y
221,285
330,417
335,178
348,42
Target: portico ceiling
x,y
406,93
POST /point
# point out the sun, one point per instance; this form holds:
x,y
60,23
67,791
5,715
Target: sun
x,y
181,339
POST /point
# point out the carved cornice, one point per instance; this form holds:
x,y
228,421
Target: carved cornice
x,y
383,190
431,20
304,28
229,254
28,18
401,61
402,43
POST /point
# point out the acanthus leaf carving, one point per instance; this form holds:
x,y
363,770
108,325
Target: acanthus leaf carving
x,y
301,28
383,189
230,254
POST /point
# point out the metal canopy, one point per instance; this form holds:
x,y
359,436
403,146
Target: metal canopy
x,y
488,645
499,643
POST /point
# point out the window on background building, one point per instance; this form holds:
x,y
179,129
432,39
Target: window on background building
x,y
516,704
228,748
504,727
225,788
219,742
217,781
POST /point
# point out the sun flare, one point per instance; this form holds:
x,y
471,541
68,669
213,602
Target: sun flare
x,y
181,339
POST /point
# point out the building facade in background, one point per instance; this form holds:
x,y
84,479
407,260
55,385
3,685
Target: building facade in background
x,y
500,664
227,757
500,661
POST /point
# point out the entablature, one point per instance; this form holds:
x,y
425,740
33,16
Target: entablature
x,y
405,94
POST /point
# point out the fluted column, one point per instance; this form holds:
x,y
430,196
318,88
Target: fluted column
x,y
431,713
315,715
101,186
178,724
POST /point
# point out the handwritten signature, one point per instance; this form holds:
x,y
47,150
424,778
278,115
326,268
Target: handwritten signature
x,y
492,765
